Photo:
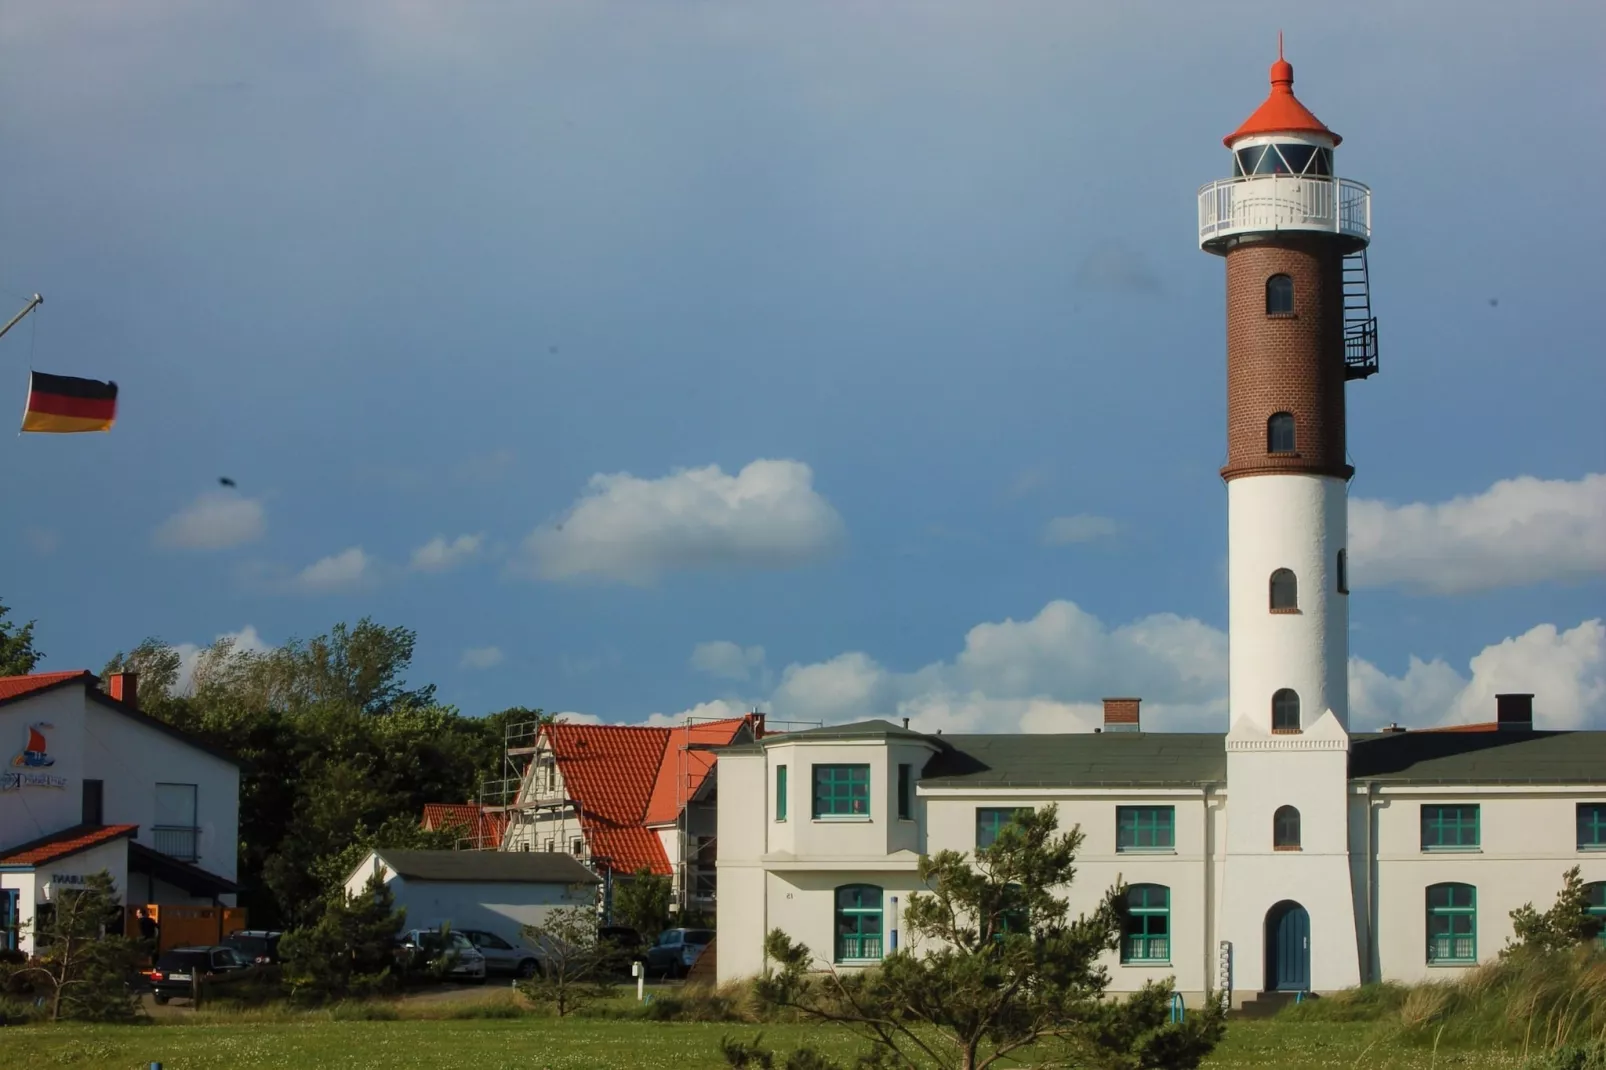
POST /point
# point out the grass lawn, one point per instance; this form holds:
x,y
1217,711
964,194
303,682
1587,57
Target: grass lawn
x,y
522,1044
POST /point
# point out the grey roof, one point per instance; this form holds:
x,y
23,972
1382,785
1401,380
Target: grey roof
x,y
518,867
865,730
1481,757
1155,759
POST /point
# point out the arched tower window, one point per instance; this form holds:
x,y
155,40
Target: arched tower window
x,y
1343,573
1280,433
1284,589
1285,711
1279,295
1285,829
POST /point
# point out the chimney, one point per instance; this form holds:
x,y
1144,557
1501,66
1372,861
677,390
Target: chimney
x,y
124,687
906,722
1121,715
1514,712
1393,728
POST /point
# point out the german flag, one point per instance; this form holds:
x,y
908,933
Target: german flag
x,y
63,404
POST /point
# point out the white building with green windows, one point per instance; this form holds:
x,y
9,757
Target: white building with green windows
x,y
1254,861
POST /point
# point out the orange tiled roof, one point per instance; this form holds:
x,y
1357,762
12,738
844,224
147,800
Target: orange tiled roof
x,y
1281,113
66,842
16,686
1487,726
610,770
486,829
626,848
663,808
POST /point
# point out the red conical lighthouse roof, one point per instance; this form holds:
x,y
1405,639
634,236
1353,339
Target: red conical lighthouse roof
x,y
1282,113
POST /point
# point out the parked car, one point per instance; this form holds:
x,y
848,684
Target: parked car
x,y
424,948
177,969
503,957
261,946
626,943
676,951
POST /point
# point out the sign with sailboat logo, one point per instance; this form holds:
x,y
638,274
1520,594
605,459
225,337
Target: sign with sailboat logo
x,y
35,755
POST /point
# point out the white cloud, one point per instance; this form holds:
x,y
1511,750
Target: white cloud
x,y
214,521
1049,673
481,657
348,568
439,554
246,639
625,528
1519,531
1083,527
726,659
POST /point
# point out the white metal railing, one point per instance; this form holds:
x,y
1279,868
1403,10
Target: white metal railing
x,y
1242,205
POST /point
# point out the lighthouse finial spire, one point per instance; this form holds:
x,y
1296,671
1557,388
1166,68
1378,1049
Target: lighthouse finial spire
x,y
1279,44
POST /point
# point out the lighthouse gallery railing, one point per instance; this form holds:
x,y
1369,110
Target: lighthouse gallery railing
x,y
1284,202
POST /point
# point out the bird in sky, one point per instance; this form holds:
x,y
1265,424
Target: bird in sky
x,y
225,481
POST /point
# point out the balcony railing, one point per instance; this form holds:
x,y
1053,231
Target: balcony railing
x,y
177,841
1244,205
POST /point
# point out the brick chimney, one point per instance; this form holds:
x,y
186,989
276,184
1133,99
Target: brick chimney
x,y
1121,715
1514,712
124,687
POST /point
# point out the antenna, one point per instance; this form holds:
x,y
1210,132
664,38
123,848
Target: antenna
x,y
1279,44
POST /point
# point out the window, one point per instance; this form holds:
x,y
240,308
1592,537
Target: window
x,y
1279,295
1285,829
1013,917
780,793
1284,589
1146,934
990,820
1145,828
906,792
1592,826
842,791
1343,572
1595,895
1280,433
548,845
1285,711
9,923
490,940
1284,159
577,847
1452,924
94,802
174,832
858,923
1449,828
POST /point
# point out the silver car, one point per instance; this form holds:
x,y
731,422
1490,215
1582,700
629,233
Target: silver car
x,y
502,957
425,945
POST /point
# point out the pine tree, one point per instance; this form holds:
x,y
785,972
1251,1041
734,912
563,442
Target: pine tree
x,y
351,951
82,964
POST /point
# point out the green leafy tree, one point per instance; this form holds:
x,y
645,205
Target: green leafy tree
x,y
82,963
997,974
575,965
642,902
1568,923
17,654
350,951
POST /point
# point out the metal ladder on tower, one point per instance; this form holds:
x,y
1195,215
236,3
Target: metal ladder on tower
x,y
1360,326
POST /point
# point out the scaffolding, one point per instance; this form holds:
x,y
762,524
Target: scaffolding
x,y
504,801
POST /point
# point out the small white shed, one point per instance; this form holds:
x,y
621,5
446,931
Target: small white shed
x,y
499,891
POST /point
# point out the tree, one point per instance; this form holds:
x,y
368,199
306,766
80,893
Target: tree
x,y
574,963
1007,978
642,902
1566,924
81,960
17,654
350,951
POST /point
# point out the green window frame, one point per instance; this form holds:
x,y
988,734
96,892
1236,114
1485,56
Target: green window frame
x,y
858,923
780,793
906,792
1592,826
1146,932
990,820
10,923
1452,925
1145,828
841,791
1595,892
1450,828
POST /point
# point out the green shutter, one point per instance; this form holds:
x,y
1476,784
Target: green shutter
x,y
780,793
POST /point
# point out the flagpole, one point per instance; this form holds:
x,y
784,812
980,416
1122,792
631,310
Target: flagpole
x,y
32,304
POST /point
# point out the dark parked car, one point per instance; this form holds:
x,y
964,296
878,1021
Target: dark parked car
x,y
676,950
503,957
260,946
177,969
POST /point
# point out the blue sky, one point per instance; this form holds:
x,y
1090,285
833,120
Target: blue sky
x,y
877,338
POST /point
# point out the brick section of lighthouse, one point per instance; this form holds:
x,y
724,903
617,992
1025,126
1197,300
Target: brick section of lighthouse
x,y
1286,363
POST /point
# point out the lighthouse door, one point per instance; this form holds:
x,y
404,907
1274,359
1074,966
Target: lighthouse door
x,y
1288,948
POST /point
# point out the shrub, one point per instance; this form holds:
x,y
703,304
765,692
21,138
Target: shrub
x,y
1541,1000
1368,1003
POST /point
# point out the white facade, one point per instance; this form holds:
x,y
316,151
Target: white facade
x,y
160,812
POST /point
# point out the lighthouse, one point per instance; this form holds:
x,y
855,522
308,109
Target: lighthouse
x,y
1294,237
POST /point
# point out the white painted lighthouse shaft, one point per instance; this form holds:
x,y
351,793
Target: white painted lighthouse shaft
x,y
1295,522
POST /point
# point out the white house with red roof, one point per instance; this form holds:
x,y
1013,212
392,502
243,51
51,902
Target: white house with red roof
x,y
623,798
90,783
